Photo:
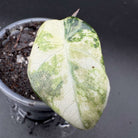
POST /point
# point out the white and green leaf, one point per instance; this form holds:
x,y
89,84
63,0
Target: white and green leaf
x,y
66,70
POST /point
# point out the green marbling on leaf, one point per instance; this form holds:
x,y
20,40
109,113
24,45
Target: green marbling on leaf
x,y
66,69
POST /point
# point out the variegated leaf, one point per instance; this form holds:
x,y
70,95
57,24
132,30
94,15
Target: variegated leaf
x,y
66,70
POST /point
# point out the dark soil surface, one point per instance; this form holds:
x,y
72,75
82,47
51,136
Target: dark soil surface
x,y
15,49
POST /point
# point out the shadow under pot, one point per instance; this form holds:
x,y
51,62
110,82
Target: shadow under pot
x,y
21,34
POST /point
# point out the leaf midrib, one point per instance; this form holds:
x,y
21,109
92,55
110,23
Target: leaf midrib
x,y
67,55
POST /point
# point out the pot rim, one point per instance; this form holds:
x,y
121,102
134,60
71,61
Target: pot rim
x,y
4,88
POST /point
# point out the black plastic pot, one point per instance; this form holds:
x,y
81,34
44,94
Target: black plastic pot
x,y
36,110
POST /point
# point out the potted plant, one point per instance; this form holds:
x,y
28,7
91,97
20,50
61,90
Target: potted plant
x,y
66,70
15,38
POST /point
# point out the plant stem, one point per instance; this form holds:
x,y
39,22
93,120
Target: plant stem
x,y
76,13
